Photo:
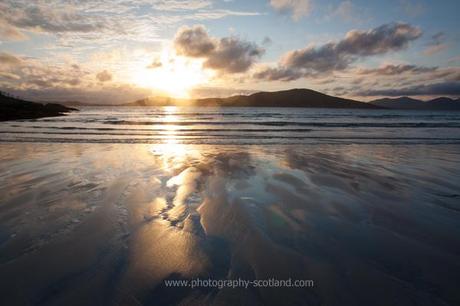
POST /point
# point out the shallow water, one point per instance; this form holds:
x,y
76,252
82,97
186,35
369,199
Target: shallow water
x,y
106,224
202,125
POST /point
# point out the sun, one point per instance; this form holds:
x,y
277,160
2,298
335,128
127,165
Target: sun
x,y
173,75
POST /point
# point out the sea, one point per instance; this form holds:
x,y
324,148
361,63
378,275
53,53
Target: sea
x,y
231,206
204,125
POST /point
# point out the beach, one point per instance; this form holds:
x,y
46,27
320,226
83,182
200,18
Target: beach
x,y
108,223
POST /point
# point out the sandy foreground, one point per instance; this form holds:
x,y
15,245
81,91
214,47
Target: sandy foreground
x,y
107,224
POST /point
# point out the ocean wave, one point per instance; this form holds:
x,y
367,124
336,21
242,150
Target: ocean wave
x,y
291,123
237,126
240,139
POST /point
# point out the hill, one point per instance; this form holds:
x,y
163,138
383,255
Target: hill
x,y
414,104
286,98
398,103
12,108
443,104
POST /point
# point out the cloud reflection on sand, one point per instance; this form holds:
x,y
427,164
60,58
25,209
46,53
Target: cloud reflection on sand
x,y
106,224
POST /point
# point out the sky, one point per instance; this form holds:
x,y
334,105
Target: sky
x,y
123,50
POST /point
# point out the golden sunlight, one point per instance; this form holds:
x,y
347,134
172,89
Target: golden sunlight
x,y
171,150
172,75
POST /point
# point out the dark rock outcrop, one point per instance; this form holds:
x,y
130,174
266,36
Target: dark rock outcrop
x,y
12,108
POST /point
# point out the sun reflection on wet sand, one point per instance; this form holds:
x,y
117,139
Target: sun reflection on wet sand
x,y
170,241
171,151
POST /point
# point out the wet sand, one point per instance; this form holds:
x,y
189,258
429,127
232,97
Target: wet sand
x,y
106,224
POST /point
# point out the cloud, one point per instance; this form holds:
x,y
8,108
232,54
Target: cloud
x,y
177,5
63,16
337,56
116,93
392,70
81,24
9,32
324,58
9,59
267,41
155,64
297,8
385,38
438,38
233,55
215,14
398,80
443,88
225,55
29,73
39,18
278,74
194,41
347,11
39,81
206,91
432,50
447,74
9,76
104,76
436,44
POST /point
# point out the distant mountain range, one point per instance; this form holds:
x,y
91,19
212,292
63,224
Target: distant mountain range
x,y
414,104
304,98
13,108
285,98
